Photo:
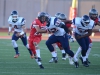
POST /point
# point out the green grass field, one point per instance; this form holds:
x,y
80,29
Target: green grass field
x,y
24,65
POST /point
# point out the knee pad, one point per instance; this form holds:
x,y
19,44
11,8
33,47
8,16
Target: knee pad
x,y
14,43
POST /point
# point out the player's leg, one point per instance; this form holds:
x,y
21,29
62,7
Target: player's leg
x,y
51,40
14,39
62,51
55,46
89,49
36,41
24,40
32,45
78,52
83,44
65,43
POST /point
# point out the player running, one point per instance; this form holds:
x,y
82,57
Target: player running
x,y
18,24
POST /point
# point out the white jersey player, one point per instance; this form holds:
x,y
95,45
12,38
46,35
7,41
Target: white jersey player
x,y
59,35
18,24
83,29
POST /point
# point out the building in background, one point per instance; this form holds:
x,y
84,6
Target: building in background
x,y
30,8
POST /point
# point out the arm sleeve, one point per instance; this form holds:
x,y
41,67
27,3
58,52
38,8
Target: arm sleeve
x,y
73,21
23,21
65,28
9,20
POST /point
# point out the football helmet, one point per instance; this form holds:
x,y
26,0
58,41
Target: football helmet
x,y
42,16
93,14
62,17
14,15
57,15
47,17
85,20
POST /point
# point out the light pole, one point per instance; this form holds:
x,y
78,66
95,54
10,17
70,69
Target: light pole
x,y
4,13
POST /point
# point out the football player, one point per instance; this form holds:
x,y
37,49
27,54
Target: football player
x,y
18,24
38,25
93,14
62,17
83,29
59,35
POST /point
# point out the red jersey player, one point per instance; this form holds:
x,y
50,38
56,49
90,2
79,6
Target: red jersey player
x,y
38,25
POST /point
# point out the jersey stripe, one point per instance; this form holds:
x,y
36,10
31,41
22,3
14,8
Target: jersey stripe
x,y
55,20
22,20
74,21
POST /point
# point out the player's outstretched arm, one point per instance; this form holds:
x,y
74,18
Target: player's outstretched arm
x,y
10,28
40,30
62,25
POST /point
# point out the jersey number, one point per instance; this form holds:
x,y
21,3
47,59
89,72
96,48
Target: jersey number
x,y
15,26
82,30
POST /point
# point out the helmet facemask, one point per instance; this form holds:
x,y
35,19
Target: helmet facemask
x,y
42,17
62,17
14,18
93,13
85,20
14,15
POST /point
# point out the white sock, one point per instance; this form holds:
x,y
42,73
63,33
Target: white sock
x,y
54,54
84,58
38,62
88,52
75,59
78,51
38,53
89,49
63,51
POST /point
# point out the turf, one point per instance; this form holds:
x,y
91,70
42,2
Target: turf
x,y
24,65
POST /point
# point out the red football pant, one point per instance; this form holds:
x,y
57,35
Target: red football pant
x,y
31,43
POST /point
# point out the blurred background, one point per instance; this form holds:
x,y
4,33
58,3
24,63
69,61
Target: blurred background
x,y
30,8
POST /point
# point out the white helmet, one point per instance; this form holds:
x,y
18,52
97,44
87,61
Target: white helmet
x,y
85,20
14,15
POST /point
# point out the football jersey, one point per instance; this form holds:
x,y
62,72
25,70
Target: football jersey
x,y
96,21
33,31
53,24
80,28
17,25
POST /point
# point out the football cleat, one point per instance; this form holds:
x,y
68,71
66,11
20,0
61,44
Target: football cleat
x,y
41,67
55,59
81,59
71,61
51,60
85,63
88,61
63,56
16,56
76,64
